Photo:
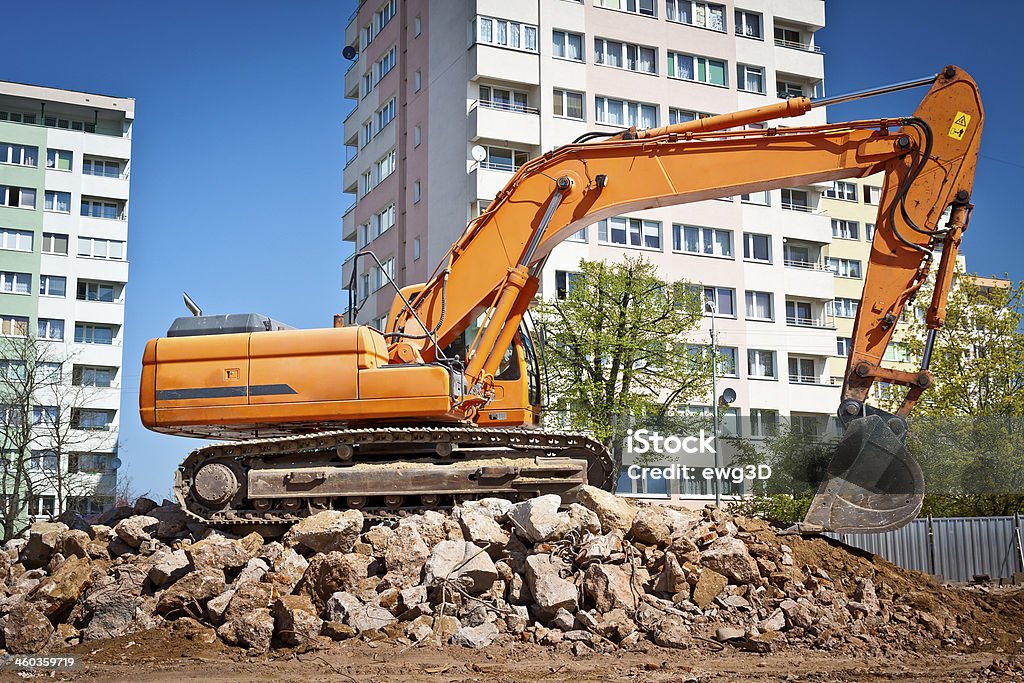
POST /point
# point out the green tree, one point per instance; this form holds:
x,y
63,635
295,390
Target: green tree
x,y
967,431
616,349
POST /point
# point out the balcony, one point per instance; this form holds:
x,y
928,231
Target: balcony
x,y
795,45
821,321
515,66
487,181
497,120
348,225
808,64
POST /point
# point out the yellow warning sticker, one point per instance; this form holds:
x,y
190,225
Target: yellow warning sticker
x,y
959,127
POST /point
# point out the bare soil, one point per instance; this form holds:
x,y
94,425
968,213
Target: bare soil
x,y
166,656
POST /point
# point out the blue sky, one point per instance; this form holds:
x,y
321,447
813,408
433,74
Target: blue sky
x,y
237,150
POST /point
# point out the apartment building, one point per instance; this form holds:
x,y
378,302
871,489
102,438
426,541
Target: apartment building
x,y
433,81
65,159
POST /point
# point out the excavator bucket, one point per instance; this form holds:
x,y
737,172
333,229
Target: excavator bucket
x,y
872,483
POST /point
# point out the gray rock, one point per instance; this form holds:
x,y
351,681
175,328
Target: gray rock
x,y
295,620
168,567
672,631
111,612
26,630
476,636
404,556
43,541
217,552
726,633
462,562
216,607
74,543
614,512
659,524
480,528
609,587
550,591
776,621
333,572
57,592
254,630
564,620
330,530
539,519
172,520
346,608
143,505
254,570
728,556
188,595
246,597
135,529
286,570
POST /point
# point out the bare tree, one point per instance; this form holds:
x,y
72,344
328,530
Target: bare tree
x,y
43,440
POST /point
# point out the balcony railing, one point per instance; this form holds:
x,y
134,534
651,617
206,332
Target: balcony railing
x,y
796,45
500,166
800,378
505,106
801,321
804,265
790,206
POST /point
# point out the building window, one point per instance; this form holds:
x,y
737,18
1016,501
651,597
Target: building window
x,y
750,78
363,288
383,274
102,167
799,313
749,24
417,81
60,160
788,37
564,281
760,306
22,155
17,197
384,65
502,98
91,419
12,371
872,195
385,115
579,236
842,267
842,190
99,208
504,159
15,240
417,29
630,232
647,8
416,136
843,346
367,183
757,247
88,333
701,14
676,115
57,201
761,198
94,247
385,166
15,283
95,291
845,230
845,308
53,285
383,220
795,200
13,326
763,422
504,33
416,249
728,361
696,240
45,415
55,243
721,301
896,353
50,329
787,90
90,463
17,117
698,69
869,231
801,371
761,364
565,45
625,113
367,132
626,56
568,103
416,192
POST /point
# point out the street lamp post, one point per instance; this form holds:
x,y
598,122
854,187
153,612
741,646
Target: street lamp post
x,y
710,304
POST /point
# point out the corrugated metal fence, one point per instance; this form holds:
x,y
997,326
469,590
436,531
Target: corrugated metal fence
x,y
953,548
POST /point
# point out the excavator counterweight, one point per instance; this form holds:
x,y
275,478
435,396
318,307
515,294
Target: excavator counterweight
x,y
443,404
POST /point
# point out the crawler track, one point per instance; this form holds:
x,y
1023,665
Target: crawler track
x,y
386,472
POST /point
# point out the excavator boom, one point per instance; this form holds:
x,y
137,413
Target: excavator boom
x,y
454,351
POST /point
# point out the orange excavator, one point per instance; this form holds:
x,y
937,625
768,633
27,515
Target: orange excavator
x,y
443,404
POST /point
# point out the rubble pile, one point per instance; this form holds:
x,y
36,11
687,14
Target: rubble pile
x,y
600,574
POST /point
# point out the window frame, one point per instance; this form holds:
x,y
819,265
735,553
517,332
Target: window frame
x,y
773,355
673,71
749,249
560,98
741,78
679,236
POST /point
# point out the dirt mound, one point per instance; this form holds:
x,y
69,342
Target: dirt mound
x,y
599,576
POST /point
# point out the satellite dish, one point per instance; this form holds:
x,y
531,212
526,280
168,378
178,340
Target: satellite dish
x,y
349,53
728,396
115,464
479,153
